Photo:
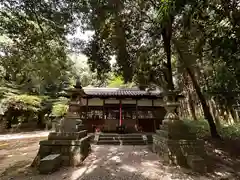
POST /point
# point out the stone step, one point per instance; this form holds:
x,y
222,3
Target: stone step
x,y
119,142
50,163
120,138
197,163
115,134
124,139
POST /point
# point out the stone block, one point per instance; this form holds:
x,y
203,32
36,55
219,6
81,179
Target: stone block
x,y
68,124
67,135
50,163
44,151
163,127
72,152
169,150
66,160
192,147
197,163
85,147
76,159
60,143
162,133
80,127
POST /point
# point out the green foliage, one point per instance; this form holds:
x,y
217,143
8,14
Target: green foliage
x,y
34,48
116,82
23,103
200,127
87,77
8,91
34,55
118,33
59,109
230,131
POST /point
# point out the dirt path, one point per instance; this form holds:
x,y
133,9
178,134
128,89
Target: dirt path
x,y
23,135
104,163
126,163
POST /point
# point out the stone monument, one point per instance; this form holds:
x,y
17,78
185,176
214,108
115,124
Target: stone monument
x,y
174,141
70,144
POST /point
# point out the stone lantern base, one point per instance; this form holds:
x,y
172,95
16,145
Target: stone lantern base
x,y
68,146
176,144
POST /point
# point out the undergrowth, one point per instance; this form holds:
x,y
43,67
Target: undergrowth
x,y
201,128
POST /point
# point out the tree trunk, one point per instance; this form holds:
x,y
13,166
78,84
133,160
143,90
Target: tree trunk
x,y
205,106
214,112
191,106
167,36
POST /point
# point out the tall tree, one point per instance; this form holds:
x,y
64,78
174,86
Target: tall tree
x,y
156,21
34,56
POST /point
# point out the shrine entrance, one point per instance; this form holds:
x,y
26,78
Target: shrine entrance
x,y
106,109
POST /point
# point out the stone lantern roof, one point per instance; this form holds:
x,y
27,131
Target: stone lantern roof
x,y
78,84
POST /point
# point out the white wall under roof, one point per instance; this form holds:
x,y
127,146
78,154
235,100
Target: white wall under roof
x,y
100,88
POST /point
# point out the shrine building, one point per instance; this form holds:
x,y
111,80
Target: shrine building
x,y
107,108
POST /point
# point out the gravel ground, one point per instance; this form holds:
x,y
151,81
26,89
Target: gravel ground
x,y
23,135
116,163
127,163
104,163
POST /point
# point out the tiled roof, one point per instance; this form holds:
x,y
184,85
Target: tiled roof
x,y
118,92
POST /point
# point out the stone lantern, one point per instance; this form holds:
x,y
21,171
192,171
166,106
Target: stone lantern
x,y
71,145
72,122
174,141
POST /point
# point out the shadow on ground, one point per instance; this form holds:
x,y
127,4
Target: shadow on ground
x,y
119,163
224,158
134,162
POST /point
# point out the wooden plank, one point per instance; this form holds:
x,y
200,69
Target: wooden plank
x,y
129,101
144,102
158,102
95,102
112,101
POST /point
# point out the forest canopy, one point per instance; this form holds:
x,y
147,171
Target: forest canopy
x,y
188,45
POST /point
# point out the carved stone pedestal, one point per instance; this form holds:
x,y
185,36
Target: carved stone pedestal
x,y
69,145
72,147
174,142
175,151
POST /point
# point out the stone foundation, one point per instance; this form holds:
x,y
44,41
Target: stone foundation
x,y
50,163
67,136
175,143
72,147
176,152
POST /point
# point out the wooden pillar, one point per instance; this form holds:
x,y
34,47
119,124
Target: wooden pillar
x,y
86,110
154,120
86,123
103,109
137,112
120,113
103,118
